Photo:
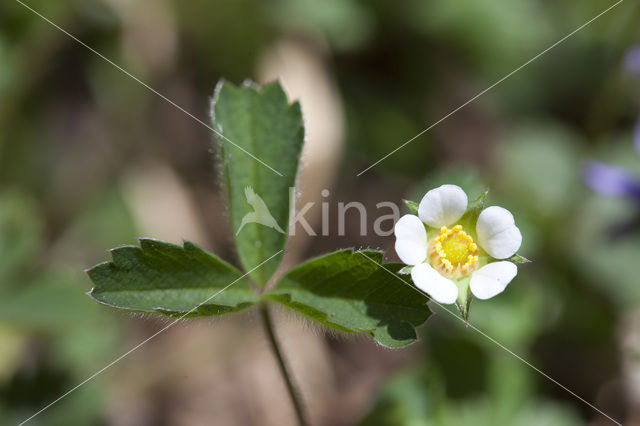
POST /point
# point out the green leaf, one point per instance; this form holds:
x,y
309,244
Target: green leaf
x,y
353,292
263,136
164,278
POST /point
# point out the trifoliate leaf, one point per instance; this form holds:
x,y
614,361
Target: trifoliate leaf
x,y
354,292
164,278
263,136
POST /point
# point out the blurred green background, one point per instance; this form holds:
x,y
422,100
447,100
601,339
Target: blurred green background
x,y
90,159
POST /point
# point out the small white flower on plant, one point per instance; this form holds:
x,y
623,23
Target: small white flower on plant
x,y
452,247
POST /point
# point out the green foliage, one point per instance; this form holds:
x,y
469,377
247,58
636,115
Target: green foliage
x,y
540,169
19,233
406,400
345,23
44,303
263,137
477,27
604,242
162,277
351,291
347,291
469,381
64,141
45,306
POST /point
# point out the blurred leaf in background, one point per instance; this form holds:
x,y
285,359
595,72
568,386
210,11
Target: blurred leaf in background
x,y
346,24
606,243
21,232
44,313
434,396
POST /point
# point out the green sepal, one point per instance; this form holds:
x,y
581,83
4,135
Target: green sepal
x,y
516,258
478,204
465,297
474,209
470,216
412,205
406,270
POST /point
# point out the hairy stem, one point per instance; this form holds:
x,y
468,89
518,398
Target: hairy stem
x,y
286,374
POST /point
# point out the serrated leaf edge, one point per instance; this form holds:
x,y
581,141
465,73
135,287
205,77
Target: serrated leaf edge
x,y
186,245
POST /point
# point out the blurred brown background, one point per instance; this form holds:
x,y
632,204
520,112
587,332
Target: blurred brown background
x,y
90,159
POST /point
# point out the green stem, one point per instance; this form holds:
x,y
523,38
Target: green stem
x,y
288,378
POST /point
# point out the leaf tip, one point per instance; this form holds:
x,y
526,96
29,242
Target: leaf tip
x,y
218,87
248,83
216,96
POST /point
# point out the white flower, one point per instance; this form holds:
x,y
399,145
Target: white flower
x,y
451,251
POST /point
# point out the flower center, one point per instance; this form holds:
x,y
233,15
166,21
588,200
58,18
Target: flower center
x,y
453,252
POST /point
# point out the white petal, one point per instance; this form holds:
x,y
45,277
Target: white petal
x,y
497,232
411,239
443,206
427,279
492,279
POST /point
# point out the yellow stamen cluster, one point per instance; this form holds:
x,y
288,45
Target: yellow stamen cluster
x,y
453,252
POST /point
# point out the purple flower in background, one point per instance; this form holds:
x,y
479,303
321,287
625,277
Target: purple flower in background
x,y
636,136
632,60
616,182
612,181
